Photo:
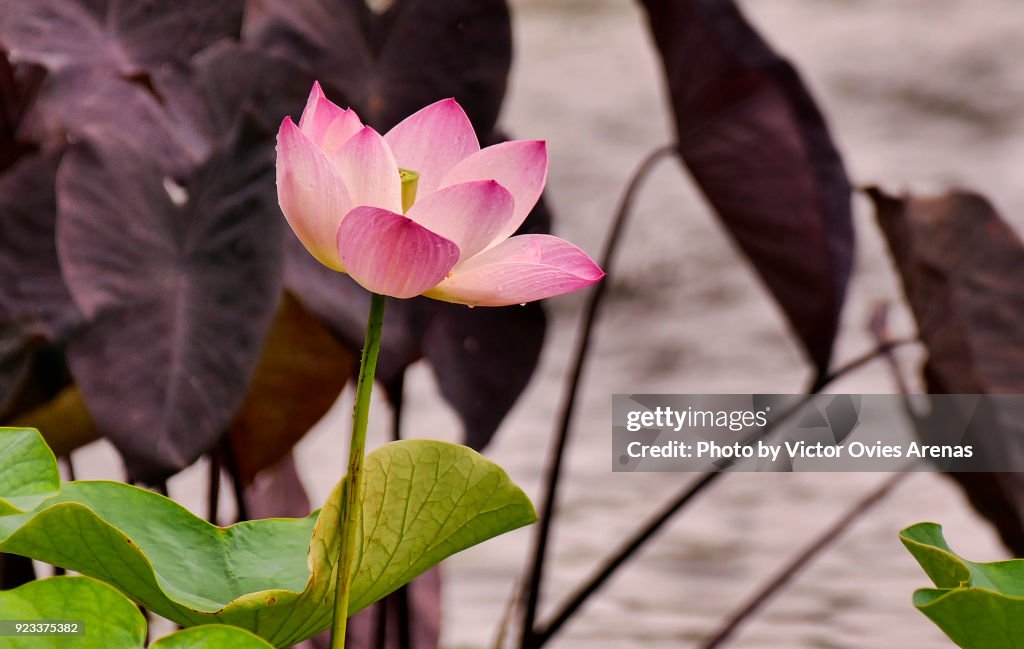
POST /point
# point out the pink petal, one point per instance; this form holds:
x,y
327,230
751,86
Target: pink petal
x,y
521,166
325,123
369,171
521,269
432,140
469,214
390,254
312,196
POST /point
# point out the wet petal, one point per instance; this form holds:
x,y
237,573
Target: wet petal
x,y
390,254
433,140
326,124
521,166
469,214
369,171
312,196
521,269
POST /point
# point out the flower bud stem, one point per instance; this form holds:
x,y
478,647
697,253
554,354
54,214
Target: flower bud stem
x,y
353,494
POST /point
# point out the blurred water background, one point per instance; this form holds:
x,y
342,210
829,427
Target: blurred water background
x,y
920,94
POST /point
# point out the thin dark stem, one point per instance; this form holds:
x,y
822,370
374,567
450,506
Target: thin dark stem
x,y
691,491
380,613
70,466
227,457
213,488
830,536
69,470
554,470
15,570
399,600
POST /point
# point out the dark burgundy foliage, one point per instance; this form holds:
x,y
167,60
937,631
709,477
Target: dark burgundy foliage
x,y
32,291
483,360
388,66
128,38
179,285
760,151
961,264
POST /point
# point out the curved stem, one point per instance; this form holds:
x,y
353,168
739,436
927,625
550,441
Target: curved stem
x,y
552,476
353,494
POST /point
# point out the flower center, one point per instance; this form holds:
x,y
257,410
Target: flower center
x,y
410,179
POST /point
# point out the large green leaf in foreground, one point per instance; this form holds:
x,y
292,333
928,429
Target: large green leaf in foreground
x,y
424,501
978,605
110,620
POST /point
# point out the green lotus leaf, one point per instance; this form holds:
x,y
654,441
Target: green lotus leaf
x,y
213,636
424,501
109,619
978,605
28,471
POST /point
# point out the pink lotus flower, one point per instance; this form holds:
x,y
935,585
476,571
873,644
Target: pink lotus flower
x,y
340,187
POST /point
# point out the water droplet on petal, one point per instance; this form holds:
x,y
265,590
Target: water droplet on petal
x,y
522,304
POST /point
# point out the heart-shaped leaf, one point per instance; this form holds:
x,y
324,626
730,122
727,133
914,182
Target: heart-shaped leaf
x,y
107,619
978,605
390,65
759,148
36,310
178,284
424,501
33,295
960,264
127,38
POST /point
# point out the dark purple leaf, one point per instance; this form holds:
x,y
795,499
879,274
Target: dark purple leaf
x,y
759,148
179,285
19,84
128,38
390,65
206,99
15,367
961,266
93,104
32,291
483,360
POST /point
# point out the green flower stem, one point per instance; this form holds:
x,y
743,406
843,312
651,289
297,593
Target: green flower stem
x,y
352,503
